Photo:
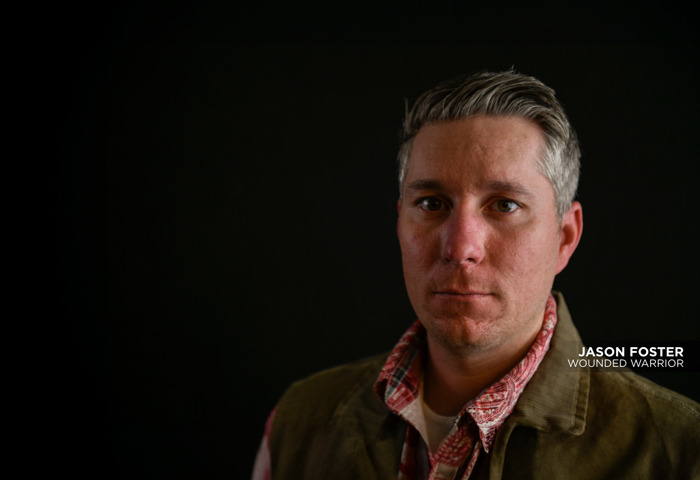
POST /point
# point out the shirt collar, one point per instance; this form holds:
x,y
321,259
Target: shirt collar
x,y
398,384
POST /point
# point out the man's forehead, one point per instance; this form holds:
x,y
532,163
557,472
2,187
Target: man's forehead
x,y
490,153
484,126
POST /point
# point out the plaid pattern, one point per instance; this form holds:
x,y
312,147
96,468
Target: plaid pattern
x,y
398,386
399,379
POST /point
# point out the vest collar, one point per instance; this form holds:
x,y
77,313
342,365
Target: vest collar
x,y
557,396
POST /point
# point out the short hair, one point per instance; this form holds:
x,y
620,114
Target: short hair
x,y
505,93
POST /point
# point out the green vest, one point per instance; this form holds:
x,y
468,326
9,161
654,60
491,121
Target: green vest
x,y
568,424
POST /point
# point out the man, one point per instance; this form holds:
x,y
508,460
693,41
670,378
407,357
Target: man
x,y
479,386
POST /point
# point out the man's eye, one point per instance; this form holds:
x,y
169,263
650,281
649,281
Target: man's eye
x,y
431,204
506,206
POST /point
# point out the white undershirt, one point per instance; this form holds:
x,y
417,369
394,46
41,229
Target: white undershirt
x,y
437,426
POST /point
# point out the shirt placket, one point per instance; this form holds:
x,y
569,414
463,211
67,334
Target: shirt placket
x,y
451,458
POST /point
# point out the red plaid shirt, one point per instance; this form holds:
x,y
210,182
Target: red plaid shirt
x,y
475,428
476,425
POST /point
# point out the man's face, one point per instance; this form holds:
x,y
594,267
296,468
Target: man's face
x,y
480,238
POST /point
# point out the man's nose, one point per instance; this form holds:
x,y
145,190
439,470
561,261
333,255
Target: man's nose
x,y
464,237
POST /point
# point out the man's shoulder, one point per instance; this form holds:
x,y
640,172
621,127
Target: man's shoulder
x,y
614,420
628,387
343,376
626,400
325,390
324,424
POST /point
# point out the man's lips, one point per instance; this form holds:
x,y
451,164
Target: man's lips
x,y
460,292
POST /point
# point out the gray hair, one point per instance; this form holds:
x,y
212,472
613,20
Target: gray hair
x,y
503,94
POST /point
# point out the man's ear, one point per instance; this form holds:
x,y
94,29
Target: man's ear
x,y
570,234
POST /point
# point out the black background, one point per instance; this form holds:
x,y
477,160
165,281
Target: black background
x,y
223,202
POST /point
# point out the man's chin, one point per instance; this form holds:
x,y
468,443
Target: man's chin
x,y
473,333
473,308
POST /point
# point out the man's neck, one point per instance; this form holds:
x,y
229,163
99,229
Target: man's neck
x,y
454,378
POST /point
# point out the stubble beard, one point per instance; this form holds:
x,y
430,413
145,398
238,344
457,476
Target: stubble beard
x,y
467,336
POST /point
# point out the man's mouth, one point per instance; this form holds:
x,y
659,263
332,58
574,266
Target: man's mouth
x,y
458,292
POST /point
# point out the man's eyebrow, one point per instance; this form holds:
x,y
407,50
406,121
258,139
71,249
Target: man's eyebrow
x,y
516,188
426,184
512,187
